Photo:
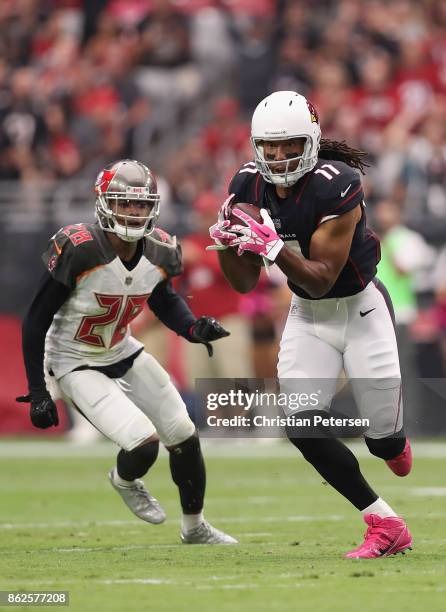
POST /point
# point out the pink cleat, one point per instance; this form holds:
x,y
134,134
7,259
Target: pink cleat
x,y
384,537
402,463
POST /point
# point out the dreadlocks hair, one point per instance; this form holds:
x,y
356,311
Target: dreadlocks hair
x,y
340,151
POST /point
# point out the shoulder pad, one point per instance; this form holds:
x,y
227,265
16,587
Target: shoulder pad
x,y
72,250
162,250
337,188
332,178
242,181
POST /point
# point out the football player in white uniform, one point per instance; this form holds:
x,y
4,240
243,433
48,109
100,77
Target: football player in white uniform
x,y
310,196
98,278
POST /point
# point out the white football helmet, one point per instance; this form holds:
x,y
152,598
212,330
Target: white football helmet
x,y
126,179
281,116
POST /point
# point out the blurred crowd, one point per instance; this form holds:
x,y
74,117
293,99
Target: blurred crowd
x,y
174,82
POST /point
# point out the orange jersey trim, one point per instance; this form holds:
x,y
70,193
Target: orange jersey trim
x,y
57,247
163,272
87,272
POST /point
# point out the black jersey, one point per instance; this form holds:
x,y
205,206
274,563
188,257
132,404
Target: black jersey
x,y
331,189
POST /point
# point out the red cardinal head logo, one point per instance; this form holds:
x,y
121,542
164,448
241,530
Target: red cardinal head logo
x,y
313,113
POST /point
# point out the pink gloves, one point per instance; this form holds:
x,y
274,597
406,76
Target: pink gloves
x,y
218,232
248,235
258,238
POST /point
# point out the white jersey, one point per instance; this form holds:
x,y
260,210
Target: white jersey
x,y
92,328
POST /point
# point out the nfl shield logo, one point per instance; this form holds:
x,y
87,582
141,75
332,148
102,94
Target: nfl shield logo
x,y
128,280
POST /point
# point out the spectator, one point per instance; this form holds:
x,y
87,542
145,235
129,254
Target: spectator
x,y
225,136
167,72
423,178
255,41
404,255
375,100
405,258
22,128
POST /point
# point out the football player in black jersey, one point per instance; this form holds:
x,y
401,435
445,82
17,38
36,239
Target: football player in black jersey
x,y
98,278
314,228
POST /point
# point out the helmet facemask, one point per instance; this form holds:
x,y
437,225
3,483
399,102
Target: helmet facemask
x,y
127,227
301,163
121,188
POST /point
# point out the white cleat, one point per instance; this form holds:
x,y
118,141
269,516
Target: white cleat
x,y
139,500
206,534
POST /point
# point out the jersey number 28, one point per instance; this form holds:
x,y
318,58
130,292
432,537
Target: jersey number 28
x,y
88,332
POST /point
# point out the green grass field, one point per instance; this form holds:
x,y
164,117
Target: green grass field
x,y
63,527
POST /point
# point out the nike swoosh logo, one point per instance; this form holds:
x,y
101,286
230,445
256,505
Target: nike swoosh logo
x,y
363,314
343,193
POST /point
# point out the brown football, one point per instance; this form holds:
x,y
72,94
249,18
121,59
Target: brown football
x,y
249,209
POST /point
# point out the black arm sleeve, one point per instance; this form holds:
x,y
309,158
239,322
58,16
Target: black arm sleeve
x,y
171,309
49,298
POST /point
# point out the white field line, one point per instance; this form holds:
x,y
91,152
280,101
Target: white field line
x,y
230,519
300,518
98,549
149,581
277,448
215,586
428,491
64,524
229,587
137,581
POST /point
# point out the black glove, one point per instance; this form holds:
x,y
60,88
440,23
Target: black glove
x,y
205,330
43,412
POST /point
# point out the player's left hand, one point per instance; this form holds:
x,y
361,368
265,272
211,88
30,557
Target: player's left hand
x,y
205,330
259,238
43,411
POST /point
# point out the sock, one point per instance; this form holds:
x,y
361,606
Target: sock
x,y
189,474
335,463
379,507
137,462
190,521
120,481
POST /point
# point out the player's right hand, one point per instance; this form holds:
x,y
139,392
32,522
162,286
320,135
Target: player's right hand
x,y
43,411
219,234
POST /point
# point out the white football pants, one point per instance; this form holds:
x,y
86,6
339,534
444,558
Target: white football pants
x,y
130,409
355,333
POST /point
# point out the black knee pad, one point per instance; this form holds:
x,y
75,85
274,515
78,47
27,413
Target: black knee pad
x,y
137,462
189,473
189,446
387,448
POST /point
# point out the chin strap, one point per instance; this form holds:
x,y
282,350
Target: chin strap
x,y
125,235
